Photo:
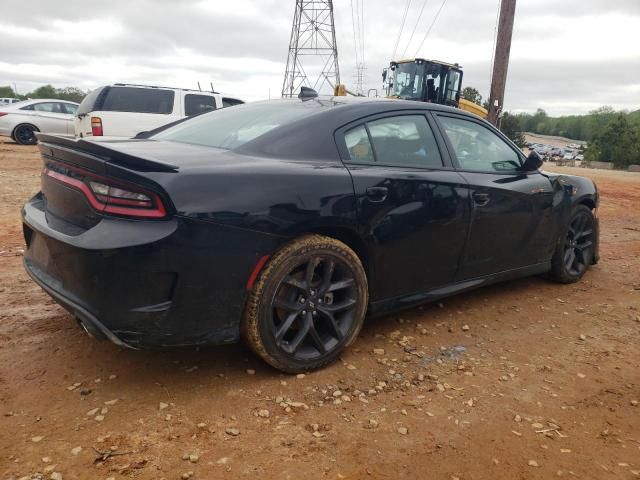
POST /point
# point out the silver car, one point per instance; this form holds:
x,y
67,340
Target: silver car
x,y
21,120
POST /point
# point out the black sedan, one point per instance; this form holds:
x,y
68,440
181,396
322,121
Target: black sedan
x,y
286,222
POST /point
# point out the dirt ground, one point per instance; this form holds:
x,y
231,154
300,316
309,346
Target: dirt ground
x,y
523,380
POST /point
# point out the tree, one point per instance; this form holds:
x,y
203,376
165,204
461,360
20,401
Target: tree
x,y
7,92
510,126
46,91
72,94
617,142
473,95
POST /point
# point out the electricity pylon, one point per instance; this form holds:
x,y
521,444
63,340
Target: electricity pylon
x,y
312,48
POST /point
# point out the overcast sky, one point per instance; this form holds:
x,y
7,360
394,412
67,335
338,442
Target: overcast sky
x,y
568,56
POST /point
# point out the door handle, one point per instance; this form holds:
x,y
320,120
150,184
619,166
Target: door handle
x,y
481,199
377,194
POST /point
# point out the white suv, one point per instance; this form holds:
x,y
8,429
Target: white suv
x,y
123,110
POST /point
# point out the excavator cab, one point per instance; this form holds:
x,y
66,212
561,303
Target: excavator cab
x,y
425,81
428,81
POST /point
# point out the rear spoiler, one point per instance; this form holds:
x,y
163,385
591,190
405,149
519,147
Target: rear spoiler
x,y
100,152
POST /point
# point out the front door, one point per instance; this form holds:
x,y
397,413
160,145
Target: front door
x,y
511,210
413,208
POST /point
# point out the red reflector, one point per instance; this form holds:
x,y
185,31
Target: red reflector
x,y
256,271
96,126
2,114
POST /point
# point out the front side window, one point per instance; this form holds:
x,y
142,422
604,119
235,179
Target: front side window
x,y
138,100
405,140
478,148
195,104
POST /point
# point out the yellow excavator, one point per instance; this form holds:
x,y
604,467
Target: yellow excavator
x,y
425,81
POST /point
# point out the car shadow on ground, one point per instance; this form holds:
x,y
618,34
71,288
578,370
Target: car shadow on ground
x,y
180,368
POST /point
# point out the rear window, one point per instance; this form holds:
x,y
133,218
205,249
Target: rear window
x,y
88,102
195,104
138,100
230,128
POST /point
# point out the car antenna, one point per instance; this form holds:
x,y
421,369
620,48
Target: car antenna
x,y
199,87
307,93
212,90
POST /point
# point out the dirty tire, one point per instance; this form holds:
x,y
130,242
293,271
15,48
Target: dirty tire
x,y
24,134
320,313
577,243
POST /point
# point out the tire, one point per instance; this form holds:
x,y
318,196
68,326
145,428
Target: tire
x,y
575,249
297,325
25,134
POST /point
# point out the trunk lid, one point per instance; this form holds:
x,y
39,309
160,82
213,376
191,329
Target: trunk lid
x,y
76,172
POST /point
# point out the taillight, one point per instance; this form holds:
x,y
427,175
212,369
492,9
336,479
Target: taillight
x,y
108,196
96,126
2,114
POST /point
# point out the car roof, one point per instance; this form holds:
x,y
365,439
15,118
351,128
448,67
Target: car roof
x,y
308,136
135,85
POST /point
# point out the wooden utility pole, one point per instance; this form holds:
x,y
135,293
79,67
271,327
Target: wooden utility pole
x,y
501,59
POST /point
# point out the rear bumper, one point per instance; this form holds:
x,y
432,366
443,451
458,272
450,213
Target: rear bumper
x,y
146,283
90,323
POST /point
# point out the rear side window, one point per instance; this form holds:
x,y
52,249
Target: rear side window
x,y
405,140
359,146
196,104
138,100
70,108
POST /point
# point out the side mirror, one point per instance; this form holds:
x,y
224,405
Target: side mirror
x,y
533,162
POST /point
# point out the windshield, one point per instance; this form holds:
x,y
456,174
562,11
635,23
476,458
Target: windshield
x,y
229,128
408,80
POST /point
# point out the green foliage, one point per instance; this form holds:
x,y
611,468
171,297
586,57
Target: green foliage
x,y
510,126
612,136
617,142
72,94
473,95
7,92
46,91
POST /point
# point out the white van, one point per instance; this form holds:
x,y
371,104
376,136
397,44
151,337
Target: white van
x,y
123,110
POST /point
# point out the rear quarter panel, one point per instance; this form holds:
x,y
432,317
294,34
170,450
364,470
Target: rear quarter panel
x,y
277,197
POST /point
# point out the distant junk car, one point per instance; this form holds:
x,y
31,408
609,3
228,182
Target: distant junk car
x,y
285,222
21,120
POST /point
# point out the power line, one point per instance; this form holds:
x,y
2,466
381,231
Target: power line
x,y
362,29
404,19
435,19
415,28
353,23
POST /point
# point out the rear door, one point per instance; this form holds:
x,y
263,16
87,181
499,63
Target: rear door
x,y
53,118
511,210
412,206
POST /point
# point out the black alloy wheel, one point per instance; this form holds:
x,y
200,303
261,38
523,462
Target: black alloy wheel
x,y
574,255
314,308
25,135
579,245
308,304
